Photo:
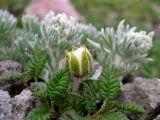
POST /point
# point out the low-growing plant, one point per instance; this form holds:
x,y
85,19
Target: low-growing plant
x,y
68,85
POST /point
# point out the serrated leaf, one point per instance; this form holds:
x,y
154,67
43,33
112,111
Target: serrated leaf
x,y
39,90
88,99
109,86
36,64
114,116
73,100
73,115
57,85
10,75
93,87
131,108
39,113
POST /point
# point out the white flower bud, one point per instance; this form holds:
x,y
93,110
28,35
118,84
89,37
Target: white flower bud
x,y
78,61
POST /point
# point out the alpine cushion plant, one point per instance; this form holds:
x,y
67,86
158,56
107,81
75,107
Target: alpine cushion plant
x,y
61,80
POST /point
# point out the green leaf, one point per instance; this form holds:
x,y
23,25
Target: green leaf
x,y
36,64
114,116
92,84
57,85
40,90
39,113
131,108
73,115
88,99
108,84
73,100
10,75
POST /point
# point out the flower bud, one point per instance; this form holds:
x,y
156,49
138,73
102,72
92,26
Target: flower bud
x,y
78,61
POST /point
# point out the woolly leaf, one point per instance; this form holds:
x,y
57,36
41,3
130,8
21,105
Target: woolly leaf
x,y
39,113
131,108
7,28
57,85
31,23
109,86
40,90
35,65
114,116
10,53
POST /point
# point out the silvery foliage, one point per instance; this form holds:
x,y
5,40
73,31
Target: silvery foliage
x,y
123,49
7,21
57,33
7,26
30,23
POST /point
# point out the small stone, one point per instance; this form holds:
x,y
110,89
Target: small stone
x,y
7,85
22,103
9,65
5,106
157,118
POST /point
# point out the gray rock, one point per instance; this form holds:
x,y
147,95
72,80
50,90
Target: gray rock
x,y
157,118
21,104
10,67
144,93
15,108
5,106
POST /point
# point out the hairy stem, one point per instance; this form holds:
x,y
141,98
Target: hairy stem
x,y
76,83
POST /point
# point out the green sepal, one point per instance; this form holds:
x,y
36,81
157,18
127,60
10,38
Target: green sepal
x,y
85,62
74,65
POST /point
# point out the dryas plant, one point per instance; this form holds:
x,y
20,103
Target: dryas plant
x,y
66,90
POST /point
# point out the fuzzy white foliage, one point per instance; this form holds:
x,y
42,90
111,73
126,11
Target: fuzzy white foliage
x,y
124,49
7,21
58,33
7,27
30,23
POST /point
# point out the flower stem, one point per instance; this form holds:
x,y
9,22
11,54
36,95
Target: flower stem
x,y
76,83
103,107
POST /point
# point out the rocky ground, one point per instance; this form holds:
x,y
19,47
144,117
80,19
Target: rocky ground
x,y
144,93
16,100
